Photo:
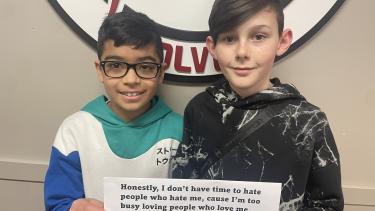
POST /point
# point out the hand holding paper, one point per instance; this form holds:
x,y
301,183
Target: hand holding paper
x,y
130,194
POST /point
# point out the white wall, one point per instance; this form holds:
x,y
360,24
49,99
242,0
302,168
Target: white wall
x,y
47,73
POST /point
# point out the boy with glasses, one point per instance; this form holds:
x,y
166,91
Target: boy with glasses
x,y
249,127
130,132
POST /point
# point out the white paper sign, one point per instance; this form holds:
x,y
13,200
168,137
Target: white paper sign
x,y
122,194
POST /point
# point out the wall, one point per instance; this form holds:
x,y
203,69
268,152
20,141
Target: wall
x,y
48,73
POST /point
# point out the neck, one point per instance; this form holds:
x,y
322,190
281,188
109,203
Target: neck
x,y
129,115
248,92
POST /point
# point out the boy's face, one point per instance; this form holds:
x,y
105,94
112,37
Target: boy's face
x,y
246,54
129,95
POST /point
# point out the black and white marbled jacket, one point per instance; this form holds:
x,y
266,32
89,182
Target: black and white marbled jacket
x,y
295,147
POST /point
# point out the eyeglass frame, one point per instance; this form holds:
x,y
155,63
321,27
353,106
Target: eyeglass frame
x,y
130,66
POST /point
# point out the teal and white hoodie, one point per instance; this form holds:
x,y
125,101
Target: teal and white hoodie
x,y
95,143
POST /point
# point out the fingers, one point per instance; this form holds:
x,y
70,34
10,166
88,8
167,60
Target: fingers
x,y
96,203
87,205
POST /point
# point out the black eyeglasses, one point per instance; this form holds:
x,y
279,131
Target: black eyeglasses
x,y
117,69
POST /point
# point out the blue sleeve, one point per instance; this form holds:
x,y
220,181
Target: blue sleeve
x,y
63,182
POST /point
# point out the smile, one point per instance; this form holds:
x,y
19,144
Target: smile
x,y
131,94
243,71
243,68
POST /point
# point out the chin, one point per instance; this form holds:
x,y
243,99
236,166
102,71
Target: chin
x,y
133,107
242,83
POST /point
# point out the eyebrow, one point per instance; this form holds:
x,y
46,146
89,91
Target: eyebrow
x,y
113,57
140,59
257,27
252,28
153,59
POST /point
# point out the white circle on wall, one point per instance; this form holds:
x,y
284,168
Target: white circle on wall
x,y
184,27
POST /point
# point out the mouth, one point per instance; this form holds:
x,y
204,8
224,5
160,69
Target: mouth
x,y
242,71
243,68
131,95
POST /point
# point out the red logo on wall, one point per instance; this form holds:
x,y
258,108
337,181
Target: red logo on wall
x,y
184,27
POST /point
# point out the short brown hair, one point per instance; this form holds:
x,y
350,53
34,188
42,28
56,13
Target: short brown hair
x,y
228,14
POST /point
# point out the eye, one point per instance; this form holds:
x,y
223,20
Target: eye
x,y
259,36
228,39
145,66
114,65
147,70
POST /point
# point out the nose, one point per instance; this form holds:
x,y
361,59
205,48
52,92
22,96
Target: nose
x,y
242,51
131,77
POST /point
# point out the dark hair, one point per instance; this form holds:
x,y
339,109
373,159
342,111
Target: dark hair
x,y
228,14
129,28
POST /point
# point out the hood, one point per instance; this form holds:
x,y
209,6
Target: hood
x,y
100,110
223,94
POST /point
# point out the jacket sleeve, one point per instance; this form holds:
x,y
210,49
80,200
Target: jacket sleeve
x,y
184,163
63,181
323,191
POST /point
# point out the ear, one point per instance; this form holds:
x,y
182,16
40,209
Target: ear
x,y
210,44
99,71
162,72
284,42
